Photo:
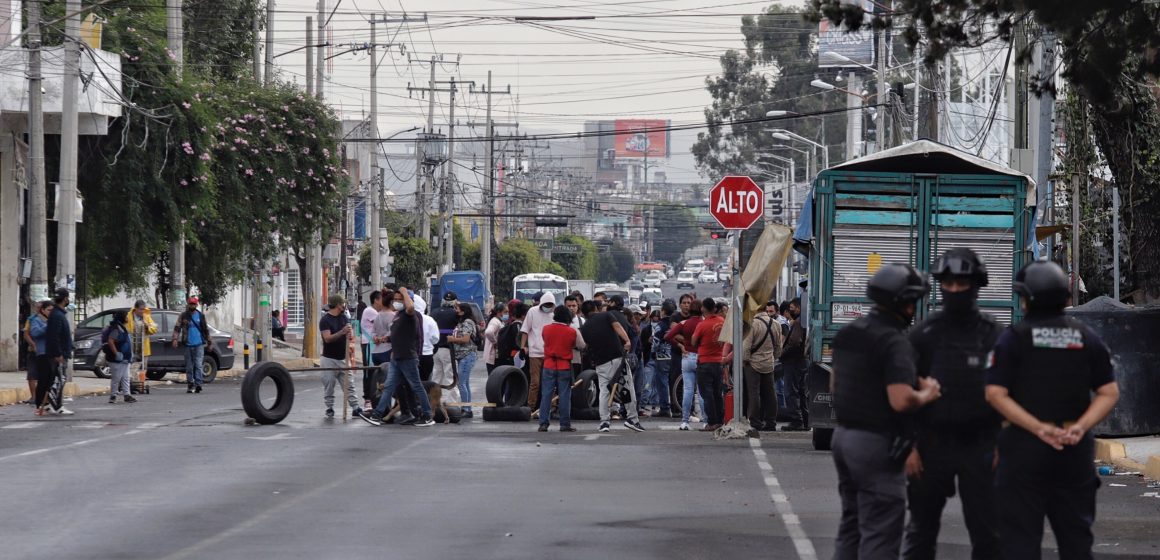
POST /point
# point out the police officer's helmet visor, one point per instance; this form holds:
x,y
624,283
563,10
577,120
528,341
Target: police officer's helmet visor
x,y
962,264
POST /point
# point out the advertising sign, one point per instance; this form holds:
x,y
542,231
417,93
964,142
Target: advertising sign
x,y
857,46
635,137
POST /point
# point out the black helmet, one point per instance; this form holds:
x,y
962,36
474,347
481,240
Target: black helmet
x,y
895,285
450,296
961,261
1043,284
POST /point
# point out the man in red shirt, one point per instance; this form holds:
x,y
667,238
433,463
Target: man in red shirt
x,y
560,339
710,352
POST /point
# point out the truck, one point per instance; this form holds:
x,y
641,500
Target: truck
x,y
907,204
468,286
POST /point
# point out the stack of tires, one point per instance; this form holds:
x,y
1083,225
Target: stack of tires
x,y
586,396
507,387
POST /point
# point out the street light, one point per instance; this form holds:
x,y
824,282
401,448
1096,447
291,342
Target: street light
x,y
786,136
779,113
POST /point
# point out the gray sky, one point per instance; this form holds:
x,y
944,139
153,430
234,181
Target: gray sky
x,y
638,59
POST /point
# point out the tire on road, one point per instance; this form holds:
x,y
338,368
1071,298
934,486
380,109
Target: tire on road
x,y
587,394
507,414
586,413
154,375
823,439
507,386
251,397
437,414
209,370
677,393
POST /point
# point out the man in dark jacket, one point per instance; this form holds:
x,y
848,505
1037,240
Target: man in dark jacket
x,y
192,333
58,346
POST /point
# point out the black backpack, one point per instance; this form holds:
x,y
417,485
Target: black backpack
x,y
508,340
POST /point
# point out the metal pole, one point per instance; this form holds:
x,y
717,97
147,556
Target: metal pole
x,y
37,211
735,316
489,198
309,56
174,32
853,117
256,63
375,184
1116,242
269,43
66,207
448,187
320,52
1075,179
880,114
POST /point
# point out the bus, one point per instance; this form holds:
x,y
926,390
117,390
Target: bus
x,y
526,286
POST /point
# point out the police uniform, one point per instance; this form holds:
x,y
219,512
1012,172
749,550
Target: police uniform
x,y
956,434
1050,364
869,354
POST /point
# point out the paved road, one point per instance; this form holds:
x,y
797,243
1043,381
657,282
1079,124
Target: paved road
x,y
180,476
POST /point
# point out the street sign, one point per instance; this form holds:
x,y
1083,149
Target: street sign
x,y
543,244
566,249
736,202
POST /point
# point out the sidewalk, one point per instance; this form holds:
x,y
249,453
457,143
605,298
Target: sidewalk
x,y
1134,454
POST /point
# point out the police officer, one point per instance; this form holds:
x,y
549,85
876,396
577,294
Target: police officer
x,y
874,387
956,434
1042,376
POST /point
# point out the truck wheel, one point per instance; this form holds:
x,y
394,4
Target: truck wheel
x,y
251,393
587,394
507,386
823,438
507,414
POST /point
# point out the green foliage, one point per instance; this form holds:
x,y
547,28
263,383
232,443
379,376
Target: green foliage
x,y
364,264
413,258
617,265
553,268
468,257
578,266
677,231
772,73
219,37
513,258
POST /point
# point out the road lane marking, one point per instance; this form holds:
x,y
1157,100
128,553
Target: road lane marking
x,y
793,525
275,437
21,425
89,425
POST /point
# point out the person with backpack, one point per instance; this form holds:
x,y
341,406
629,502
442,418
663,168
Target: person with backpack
x,y
192,333
117,345
508,341
662,356
760,348
797,367
464,342
495,322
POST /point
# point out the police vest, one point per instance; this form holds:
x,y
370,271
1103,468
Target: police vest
x,y
860,399
447,319
1054,376
955,350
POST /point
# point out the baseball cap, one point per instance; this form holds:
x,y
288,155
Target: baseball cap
x,y
635,309
192,300
450,296
336,299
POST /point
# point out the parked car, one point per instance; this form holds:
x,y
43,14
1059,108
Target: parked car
x,y
652,296
724,275
708,276
686,279
164,359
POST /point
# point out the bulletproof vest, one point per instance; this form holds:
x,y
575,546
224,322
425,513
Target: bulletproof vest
x,y
860,398
447,319
1054,376
954,350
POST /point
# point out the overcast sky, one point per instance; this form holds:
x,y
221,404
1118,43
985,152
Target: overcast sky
x,y
639,58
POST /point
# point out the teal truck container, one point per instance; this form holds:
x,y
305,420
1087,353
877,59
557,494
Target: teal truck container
x,y
907,204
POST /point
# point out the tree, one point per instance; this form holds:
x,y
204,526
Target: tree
x,y
413,258
676,231
772,73
513,258
617,265
1108,51
580,265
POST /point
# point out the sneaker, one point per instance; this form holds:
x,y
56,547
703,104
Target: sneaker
x,y
130,399
189,388
684,427
662,414
694,419
708,427
633,425
39,411
425,422
407,421
112,399
604,427
66,399
197,389
330,413
543,428
373,419
567,429
64,411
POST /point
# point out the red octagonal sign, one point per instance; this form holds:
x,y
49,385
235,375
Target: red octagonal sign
x,y
736,202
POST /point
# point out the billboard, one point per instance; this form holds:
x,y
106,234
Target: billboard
x,y
857,46
635,137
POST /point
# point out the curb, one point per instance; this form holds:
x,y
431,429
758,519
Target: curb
x,y
19,395
1116,453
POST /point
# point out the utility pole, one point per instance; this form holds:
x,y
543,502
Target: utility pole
x,y
269,43
174,33
320,52
375,184
489,196
1044,146
66,222
880,114
311,288
448,188
425,178
309,56
37,211
1075,184
854,116
256,63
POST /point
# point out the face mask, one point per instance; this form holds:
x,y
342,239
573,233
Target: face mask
x,y
397,305
546,308
504,317
959,302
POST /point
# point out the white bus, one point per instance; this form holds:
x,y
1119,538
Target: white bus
x,y
526,286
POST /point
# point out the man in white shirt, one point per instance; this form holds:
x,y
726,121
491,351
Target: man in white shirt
x,y
532,342
367,326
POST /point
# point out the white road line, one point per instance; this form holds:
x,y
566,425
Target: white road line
x,y
21,425
89,425
793,525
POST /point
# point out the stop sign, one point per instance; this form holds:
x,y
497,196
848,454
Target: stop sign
x,y
736,202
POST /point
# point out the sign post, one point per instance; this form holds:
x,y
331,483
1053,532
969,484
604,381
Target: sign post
x,y
737,203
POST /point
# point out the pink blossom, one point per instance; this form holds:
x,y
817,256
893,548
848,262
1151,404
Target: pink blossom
x,y
204,156
306,151
309,172
187,147
250,172
187,105
184,183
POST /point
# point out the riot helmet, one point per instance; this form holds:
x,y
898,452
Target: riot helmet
x,y
1043,285
960,263
897,285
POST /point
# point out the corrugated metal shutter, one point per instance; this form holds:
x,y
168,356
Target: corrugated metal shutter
x,y
996,249
853,247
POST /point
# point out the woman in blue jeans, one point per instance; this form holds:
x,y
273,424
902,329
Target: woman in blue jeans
x,y
681,335
464,348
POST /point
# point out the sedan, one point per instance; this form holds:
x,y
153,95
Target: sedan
x,y
686,279
164,359
707,276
